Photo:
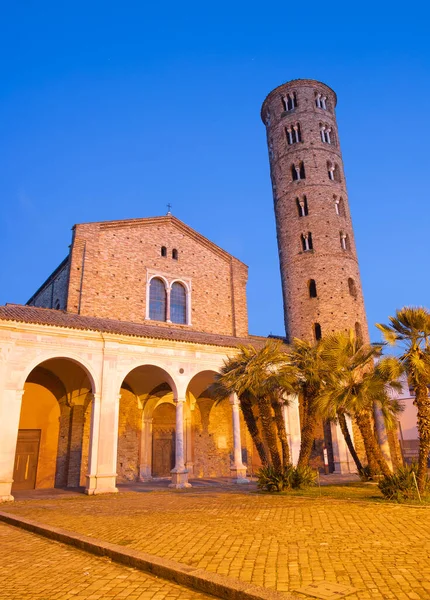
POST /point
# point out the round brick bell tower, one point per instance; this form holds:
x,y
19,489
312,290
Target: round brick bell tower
x,y
319,267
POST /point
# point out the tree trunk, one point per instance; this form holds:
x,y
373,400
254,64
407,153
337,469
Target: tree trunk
x,y
422,402
251,423
375,458
344,428
282,432
269,431
308,437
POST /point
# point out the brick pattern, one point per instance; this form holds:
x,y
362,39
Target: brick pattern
x,y
280,542
34,568
53,293
334,307
109,270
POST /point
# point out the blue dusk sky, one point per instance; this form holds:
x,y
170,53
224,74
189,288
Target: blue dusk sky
x,y
111,110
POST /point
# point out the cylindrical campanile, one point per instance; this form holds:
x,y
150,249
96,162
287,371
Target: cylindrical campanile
x,y
319,267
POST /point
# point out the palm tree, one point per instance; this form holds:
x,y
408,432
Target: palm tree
x,y
411,329
305,357
352,384
261,377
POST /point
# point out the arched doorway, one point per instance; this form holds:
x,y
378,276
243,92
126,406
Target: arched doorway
x,y
145,393
54,427
163,439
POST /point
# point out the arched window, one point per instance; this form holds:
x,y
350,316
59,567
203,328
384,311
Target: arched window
x,y
327,136
174,254
344,241
178,304
352,287
307,241
312,288
163,251
317,331
293,133
358,333
157,300
298,171
289,101
339,206
320,101
302,206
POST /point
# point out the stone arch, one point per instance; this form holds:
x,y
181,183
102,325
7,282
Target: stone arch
x,y
75,358
142,389
54,427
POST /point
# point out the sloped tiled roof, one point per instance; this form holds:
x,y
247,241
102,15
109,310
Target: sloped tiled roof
x,y
60,318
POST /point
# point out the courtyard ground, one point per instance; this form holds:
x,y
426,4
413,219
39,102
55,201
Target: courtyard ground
x,y
344,534
34,568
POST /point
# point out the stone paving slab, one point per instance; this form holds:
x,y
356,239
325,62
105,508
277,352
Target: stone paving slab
x,y
33,568
280,542
218,585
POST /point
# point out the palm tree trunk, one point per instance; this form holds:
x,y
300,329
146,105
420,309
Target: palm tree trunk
x,y
344,428
375,458
282,432
251,423
269,430
422,402
308,437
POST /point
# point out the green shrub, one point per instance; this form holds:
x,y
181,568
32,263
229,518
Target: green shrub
x,y
364,473
401,485
270,479
303,477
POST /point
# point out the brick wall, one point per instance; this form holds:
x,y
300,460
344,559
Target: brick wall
x,y
334,307
111,263
53,293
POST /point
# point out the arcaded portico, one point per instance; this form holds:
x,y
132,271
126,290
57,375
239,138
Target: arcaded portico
x,y
83,406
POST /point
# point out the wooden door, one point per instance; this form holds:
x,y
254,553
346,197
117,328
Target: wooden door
x,y
163,451
26,457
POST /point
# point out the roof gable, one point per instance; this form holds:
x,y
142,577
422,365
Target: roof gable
x,y
167,220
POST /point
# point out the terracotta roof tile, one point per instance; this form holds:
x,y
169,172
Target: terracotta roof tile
x,y
60,318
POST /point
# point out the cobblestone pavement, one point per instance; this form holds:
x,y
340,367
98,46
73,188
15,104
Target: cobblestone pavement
x,y
33,568
282,542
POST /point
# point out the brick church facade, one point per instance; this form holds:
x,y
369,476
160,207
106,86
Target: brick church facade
x,y
106,372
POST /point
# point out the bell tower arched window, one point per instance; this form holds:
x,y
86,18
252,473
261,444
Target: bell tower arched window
x,y
157,300
352,287
298,171
178,304
307,242
302,206
312,288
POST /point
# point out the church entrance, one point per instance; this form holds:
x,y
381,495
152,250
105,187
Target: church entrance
x,y
54,427
163,440
27,455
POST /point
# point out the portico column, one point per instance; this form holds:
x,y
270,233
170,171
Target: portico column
x,y
179,473
237,469
145,468
102,476
343,461
91,477
10,412
292,425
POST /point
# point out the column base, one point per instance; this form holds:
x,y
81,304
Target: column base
x,y
179,479
344,468
101,484
6,499
5,489
238,474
